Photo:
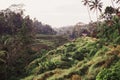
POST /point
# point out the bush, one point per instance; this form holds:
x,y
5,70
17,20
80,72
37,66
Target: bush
x,y
78,55
112,73
64,65
110,33
71,47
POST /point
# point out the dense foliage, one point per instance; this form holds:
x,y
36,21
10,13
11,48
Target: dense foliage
x,y
16,34
43,28
85,58
110,30
112,73
30,50
20,42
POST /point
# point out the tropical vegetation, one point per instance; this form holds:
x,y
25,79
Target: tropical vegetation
x,y
30,50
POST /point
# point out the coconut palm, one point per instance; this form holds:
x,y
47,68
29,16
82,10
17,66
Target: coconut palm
x,y
96,5
86,3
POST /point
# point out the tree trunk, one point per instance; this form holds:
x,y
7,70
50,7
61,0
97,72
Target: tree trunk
x,y
97,16
89,13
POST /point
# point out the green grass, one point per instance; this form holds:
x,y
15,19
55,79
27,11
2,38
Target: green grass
x,y
83,58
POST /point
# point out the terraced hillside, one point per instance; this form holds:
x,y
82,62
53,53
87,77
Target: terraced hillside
x,y
83,59
48,42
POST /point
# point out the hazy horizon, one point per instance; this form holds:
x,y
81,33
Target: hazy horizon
x,y
57,13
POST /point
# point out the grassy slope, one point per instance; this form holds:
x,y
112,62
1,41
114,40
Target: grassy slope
x,y
81,59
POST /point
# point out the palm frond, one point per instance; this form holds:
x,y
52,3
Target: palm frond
x,y
85,2
96,4
100,9
91,8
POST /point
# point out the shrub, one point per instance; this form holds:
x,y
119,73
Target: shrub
x,y
78,55
112,73
71,47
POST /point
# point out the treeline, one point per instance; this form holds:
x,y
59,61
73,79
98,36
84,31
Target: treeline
x,y
11,23
17,33
43,28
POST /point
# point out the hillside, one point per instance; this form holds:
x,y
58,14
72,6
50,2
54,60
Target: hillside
x,y
84,59
77,30
47,42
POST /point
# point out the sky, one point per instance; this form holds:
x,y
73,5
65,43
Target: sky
x,y
57,13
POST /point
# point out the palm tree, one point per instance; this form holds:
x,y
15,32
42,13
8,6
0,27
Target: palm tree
x,y
96,5
86,3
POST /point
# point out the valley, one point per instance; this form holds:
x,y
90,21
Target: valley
x,y
33,50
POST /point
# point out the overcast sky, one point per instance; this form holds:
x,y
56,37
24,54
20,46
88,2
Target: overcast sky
x,y
56,13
